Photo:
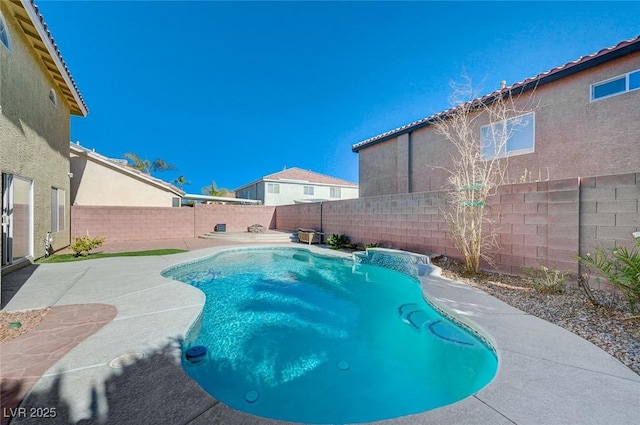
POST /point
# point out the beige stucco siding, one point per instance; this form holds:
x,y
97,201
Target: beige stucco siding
x,y
378,173
97,184
574,137
34,134
290,192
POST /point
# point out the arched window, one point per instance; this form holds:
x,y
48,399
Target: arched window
x,y
4,32
53,98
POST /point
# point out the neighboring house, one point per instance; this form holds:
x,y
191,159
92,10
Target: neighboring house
x,y
586,122
295,185
101,181
37,97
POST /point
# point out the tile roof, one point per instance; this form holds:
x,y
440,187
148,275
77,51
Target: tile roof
x,y
36,30
121,165
580,64
299,174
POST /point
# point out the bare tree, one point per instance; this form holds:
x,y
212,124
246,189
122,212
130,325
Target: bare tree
x,y
478,165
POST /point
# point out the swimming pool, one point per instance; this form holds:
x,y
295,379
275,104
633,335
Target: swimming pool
x,y
299,337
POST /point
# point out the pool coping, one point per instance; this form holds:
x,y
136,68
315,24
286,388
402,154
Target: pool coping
x,y
545,374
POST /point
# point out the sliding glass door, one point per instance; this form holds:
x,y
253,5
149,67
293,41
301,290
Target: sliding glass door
x,y
17,218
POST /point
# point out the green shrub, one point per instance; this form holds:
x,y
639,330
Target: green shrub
x,y
372,245
82,246
338,241
621,267
546,280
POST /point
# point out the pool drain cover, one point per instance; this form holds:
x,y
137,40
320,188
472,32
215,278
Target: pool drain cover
x,y
343,365
125,360
251,396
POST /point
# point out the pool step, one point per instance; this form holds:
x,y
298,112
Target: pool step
x,y
413,315
268,237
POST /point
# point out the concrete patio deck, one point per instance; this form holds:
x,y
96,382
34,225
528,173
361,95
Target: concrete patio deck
x,y
546,374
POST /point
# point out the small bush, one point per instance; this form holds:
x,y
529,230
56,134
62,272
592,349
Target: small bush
x,y
82,246
546,280
621,267
372,245
338,241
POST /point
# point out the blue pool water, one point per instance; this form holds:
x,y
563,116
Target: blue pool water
x,y
298,337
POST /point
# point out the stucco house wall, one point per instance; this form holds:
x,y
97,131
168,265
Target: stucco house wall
x,y
291,188
292,192
98,183
34,134
574,136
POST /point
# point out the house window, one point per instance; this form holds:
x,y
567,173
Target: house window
x,y
308,190
57,209
617,85
53,98
334,192
4,33
273,187
175,202
515,136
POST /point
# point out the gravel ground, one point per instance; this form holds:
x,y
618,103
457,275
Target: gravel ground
x,y
610,326
28,320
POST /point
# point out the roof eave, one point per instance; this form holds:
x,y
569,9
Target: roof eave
x,y
139,176
579,65
79,107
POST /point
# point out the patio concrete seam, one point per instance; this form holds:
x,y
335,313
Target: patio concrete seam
x,y
138,291
494,409
574,366
78,369
203,411
157,312
63,293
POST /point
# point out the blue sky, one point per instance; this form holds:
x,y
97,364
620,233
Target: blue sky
x,y
232,91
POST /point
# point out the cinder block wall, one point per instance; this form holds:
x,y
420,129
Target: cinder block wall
x,y
406,221
294,217
609,211
119,224
236,217
537,225
548,223
543,223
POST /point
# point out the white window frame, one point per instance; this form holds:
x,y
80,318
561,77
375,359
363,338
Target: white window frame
x,y
55,209
504,153
335,192
273,188
626,77
309,190
4,28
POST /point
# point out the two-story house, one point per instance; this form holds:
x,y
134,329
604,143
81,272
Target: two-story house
x,y
584,121
295,185
37,97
